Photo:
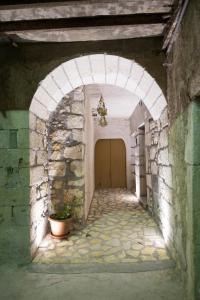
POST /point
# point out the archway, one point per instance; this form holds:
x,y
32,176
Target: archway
x,y
91,69
97,69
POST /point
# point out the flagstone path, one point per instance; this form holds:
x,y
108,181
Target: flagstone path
x,y
118,230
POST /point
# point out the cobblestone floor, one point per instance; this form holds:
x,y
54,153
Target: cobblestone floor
x,y
118,230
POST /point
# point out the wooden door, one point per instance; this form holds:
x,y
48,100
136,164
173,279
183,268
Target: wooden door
x,y
110,164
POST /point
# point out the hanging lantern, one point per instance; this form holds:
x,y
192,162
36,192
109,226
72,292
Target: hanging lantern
x,y
102,112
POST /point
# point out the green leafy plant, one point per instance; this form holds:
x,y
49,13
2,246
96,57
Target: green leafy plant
x,y
63,213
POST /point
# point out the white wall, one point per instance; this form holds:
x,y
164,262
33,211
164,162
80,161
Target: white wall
x,y
89,156
117,128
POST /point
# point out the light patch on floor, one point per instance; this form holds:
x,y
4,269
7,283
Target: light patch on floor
x,y
118,230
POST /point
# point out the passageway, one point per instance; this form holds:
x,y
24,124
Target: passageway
x,y
118,230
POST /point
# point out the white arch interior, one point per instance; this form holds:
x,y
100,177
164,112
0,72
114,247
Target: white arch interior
x,y
97,69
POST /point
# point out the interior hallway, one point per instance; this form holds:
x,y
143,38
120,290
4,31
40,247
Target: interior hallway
x,y
118,230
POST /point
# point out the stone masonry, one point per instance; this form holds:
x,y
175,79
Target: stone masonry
x,y
38,180
14,185
66,153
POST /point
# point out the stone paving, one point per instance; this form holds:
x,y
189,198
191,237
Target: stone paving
x,y
118,230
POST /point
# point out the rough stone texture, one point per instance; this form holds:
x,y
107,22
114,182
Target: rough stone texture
x,y
38,181
14,186
183,87
66,153
118,230
158,174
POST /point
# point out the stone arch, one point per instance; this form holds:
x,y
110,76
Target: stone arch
x,y
97,69
68,79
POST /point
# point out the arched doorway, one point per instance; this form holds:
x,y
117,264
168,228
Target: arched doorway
x,y
110,164
90,69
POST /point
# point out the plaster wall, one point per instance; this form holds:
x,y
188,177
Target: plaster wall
x,y
117,128
89,156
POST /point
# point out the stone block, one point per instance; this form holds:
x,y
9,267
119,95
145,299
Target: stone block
x,y
56,147
14,158
165,172
14,119
32,121
32,157
163,140
78,96
24,177
36,140
57,169
56,155
42,157
153,152
154,168
23,138
77,108
73,195
13,138
75,152
77,135
37,174
163,157
192,153
76,183
60,136
14,196
4,138
164,118
195,175
75,122
77,168
41,126
57,184
43,189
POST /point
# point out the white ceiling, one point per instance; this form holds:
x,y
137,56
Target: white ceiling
x,y
119,102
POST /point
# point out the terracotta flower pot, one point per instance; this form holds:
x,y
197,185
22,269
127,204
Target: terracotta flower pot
x,y
59,228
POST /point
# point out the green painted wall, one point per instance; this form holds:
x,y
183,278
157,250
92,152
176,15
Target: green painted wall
x,y
14,185
184,155
193,160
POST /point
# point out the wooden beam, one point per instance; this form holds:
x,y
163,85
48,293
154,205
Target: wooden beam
x,y
81,22
27,2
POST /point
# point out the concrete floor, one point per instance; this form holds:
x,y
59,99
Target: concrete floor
x,y
21,284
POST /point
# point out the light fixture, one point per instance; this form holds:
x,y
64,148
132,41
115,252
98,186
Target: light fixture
x,y
102,112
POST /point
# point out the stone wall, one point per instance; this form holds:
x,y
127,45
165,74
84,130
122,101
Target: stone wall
x,y
158,174
14,186
66,154
184,87
38,181
138,164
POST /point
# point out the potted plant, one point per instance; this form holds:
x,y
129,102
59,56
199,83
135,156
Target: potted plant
x,y
61,221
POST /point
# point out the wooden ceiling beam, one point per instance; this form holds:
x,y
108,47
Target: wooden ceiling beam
x,y
82,22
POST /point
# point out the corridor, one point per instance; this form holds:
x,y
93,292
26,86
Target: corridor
x,y
118,230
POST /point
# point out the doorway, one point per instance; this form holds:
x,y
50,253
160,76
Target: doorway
x,y
110,164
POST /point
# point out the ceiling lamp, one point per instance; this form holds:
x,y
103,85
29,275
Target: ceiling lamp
x,y
102,112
